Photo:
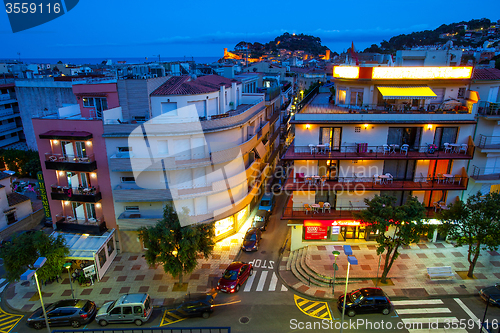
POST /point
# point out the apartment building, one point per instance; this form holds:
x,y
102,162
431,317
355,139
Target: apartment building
x,y
14,206
393,130
485,168
208,149
11,128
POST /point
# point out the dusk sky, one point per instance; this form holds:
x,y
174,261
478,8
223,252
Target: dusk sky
x,y
96,28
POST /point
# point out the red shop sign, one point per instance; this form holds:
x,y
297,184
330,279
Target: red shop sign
x,y
316,232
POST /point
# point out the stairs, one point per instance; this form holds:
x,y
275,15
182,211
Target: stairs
x,y
297,263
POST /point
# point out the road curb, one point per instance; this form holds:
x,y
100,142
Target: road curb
x,y
7,307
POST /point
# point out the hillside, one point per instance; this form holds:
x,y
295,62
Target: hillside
x,y
289,42
439,36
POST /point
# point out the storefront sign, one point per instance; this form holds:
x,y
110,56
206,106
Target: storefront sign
x,y
43,194
89,271
316,232
224,225
329,223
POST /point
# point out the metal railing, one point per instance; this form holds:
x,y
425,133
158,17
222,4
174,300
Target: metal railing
x,y
149,330
76,220
379,151
307,99
489,142
378,108
485,173
488,109
69,158
80,190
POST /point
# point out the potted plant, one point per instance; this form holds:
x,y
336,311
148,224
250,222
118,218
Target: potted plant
x,y
431,148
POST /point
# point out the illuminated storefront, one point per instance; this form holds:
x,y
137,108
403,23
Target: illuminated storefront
x,y
337,230
228,226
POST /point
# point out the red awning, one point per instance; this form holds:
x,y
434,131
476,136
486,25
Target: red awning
x,y
329,223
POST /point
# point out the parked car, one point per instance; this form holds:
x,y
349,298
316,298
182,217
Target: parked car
x,y
252,239
365,300
234,276
74,312
195,305
129,308
261,219
492,293
267,202
276,186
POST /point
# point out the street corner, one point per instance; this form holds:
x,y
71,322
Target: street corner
x,y
312,308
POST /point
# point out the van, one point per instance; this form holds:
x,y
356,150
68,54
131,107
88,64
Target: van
x,y
129,308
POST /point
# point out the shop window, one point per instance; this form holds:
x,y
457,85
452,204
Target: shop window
x,y
111,246
102,257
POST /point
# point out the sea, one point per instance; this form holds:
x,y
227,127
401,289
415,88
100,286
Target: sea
x,y
142,60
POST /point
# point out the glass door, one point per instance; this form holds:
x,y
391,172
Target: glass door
x,y
349,232
445,135
80,149
67,148
331,136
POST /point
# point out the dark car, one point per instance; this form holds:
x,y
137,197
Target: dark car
x,y
234,276
365,300
252,239
261,219
492,293
74,312
194,305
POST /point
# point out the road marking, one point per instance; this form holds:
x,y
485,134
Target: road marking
x,y
429,320
170,318
227,303
312,308
418,302
249,283
283,288
274,281
262,280
8,321
470,313
425,310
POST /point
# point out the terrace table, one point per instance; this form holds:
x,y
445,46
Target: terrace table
x,y
449,177
321,148
315,207
455,147
384,178
393,148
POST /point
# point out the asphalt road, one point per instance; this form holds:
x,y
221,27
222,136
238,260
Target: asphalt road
x,y
265,305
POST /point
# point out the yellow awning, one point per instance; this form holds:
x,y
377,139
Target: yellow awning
x,y
406,92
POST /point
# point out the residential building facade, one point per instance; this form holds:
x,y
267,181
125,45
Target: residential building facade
x,y
11,127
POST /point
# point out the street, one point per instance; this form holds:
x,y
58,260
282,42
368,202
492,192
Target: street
x,y
264,304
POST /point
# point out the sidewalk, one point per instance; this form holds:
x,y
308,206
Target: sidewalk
x,y
304,270
129,273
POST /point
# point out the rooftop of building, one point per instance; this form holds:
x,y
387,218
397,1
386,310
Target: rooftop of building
x,y
4,175
15,198
186,85
486,74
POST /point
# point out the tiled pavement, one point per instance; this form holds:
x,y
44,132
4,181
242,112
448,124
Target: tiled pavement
x,y
408,273
129,273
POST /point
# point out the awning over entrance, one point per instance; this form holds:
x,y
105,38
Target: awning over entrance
x,y
406,92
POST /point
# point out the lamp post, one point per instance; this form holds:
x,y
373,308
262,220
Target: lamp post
x,y
335,267
351,260
68,266
28,274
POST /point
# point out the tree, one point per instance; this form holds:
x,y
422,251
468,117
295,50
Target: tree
x,y
21,253
476,224
176,247
397,226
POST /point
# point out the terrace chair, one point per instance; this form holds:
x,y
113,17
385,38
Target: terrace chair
x,y
463,148
312,148
376,179
457,179
321,205
323,180
404,148
447,148
440,178
328,149
442,205
436,206
307,208
328,207
53,158
386,149
391,178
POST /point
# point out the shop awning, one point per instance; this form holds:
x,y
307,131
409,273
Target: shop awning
x,y
406,92
83,246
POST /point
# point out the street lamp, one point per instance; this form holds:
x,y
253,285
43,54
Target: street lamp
x,y
26,276
68,266
351,260
335,268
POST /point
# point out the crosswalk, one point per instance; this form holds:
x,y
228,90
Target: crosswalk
x,y
266,281
3,284
419,316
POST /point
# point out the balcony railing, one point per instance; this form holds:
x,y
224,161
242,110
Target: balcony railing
x,y
69,158
488,109
363,151
422,183
489,142
382,108
485,174
81,194
69,223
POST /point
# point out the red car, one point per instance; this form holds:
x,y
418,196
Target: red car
x,y
235,275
